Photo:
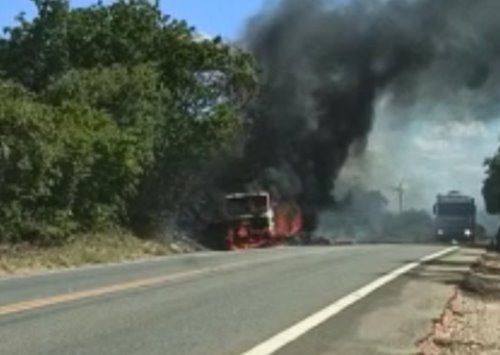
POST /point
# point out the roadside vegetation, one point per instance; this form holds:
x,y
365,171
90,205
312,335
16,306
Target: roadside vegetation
x,y
491,190
106,114
80,250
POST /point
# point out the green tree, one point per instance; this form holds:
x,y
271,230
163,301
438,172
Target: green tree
x,y
142,101
36,51
62,169
491,188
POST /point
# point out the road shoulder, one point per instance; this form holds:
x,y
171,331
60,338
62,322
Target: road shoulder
x,y
470,322
394,319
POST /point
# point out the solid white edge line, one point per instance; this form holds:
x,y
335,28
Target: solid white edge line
x,y
291,334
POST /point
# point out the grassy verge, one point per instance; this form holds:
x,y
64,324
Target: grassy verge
x,y
83,250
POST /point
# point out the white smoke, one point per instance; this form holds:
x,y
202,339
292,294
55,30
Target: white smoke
x,y
435,150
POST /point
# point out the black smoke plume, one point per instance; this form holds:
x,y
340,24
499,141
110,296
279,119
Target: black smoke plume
x,y
324,64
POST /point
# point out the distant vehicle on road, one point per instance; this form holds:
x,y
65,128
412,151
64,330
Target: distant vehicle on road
x,y
455,218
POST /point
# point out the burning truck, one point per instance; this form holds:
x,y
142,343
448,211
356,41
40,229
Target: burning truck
x,y
256,220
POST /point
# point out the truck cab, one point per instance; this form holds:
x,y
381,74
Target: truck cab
x,y
250,220
455,218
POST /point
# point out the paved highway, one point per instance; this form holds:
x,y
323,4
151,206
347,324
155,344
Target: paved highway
x,y
211,303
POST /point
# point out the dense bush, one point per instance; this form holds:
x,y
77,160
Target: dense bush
x,y
62,168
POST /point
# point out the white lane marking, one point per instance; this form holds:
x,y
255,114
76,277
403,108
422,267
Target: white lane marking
x,y
291,334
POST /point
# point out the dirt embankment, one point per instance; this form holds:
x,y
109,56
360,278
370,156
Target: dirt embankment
x,y
470,322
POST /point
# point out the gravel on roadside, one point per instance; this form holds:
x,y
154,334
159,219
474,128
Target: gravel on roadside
x,y
470,322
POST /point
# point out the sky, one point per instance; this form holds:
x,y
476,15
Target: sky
x,y
212,17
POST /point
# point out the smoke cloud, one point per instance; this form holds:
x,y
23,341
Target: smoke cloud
x,y
333,71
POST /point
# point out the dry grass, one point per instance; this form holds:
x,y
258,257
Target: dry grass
x,y
83,250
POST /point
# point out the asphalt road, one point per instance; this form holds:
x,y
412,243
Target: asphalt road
x,y
213,303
